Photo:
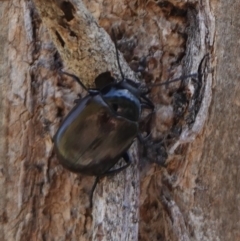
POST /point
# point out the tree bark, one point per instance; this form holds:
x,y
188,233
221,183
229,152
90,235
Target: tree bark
x,y
195,196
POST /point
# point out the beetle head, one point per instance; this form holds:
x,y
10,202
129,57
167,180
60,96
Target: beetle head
x,y
123,99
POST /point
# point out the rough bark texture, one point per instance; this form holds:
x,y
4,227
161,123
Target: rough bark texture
x,y
195,196
83,45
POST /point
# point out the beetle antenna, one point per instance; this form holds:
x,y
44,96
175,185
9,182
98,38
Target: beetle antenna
x,y
76,79
115,44
175,80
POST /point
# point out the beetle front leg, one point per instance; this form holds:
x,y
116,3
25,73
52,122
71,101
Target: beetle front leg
x,y
147,103
75,78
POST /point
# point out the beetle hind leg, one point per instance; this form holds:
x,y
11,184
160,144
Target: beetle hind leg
x,y
128,161
93,189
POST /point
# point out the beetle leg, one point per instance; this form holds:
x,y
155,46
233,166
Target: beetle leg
x,y
78,99
92,191
147,120
143,140
127,159
147,102
75,78
93,92
145,105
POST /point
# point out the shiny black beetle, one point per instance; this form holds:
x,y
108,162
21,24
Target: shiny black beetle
x,y
99,130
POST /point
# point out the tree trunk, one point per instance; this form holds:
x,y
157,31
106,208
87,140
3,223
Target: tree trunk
x,y
195,195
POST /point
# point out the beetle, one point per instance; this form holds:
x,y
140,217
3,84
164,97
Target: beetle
x,y
99,130
101,127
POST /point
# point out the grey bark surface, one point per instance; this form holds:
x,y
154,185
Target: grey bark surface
x,y
215,195
196,195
